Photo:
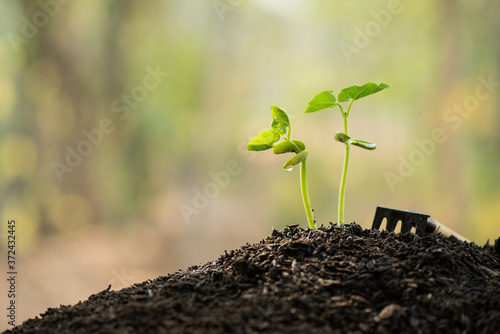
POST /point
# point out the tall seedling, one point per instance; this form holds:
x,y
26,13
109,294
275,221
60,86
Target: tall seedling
x,y
326,100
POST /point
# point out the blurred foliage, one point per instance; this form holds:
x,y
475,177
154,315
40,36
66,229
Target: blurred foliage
x,y
70,62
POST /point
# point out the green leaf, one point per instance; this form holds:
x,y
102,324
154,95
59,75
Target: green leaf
x,y
297,158
364,144
321,101
357,92
263,141
280,119
287,146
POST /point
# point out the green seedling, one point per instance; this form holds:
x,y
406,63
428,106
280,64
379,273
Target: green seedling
x,y
268,139
325,100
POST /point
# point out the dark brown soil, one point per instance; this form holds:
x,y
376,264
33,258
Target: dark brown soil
x,y
333,280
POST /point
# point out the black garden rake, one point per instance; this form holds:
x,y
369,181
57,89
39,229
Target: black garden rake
x,y
421,223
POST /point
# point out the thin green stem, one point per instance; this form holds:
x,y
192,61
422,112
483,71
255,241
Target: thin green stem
x,y
343,183
343,180
295,146
341,109
346,130
305,195
349,108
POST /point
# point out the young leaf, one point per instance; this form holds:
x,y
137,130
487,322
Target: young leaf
x,y
322,101
263,141
286,146
280,119
357,92
297,158
364,144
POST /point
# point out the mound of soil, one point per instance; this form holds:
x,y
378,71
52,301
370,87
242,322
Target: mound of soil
x,y
331,280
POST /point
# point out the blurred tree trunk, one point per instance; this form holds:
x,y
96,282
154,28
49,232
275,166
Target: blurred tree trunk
x,y
83,91
450,160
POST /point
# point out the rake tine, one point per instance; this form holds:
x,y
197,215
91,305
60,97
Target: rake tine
x,y
408,220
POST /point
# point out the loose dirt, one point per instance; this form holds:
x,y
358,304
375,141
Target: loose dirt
x,y
332,280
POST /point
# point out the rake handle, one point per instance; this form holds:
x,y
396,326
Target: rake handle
x,y
435,227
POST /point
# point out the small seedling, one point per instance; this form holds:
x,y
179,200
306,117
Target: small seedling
x,y
326,100
268,139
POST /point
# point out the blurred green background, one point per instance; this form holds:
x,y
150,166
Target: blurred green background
x,y
116,115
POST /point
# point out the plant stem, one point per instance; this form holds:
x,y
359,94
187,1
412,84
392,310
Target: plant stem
x,y
343,183
305,195
343,180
